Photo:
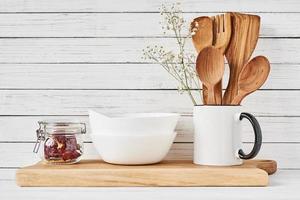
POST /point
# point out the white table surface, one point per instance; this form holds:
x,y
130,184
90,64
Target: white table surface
x,y
285,184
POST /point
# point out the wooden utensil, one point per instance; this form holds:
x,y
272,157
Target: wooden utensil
x,y
202,36
93,173
252,77
221,31
245,32
202,32
210,68
221,38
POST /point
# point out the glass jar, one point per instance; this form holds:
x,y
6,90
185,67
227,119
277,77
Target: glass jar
x,y
60,142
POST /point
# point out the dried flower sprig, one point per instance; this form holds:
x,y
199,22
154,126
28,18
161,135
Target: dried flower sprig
x,y
179,65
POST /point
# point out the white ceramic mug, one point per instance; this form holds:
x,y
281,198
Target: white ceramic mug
x,y
217,138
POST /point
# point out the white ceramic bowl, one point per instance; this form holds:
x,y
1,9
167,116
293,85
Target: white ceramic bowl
x,y
128,149
133,139
137,123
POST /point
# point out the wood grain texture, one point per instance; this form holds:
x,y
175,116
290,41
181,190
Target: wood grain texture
x,y
210,69
245,32
202,32
93,173
77,102
20,154
202,37
251,78
222,31
125,76
100,24
118,50
275,129
146,6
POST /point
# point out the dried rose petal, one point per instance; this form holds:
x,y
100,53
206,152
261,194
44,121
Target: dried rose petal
x,y
62,147
67,155
50,149
71,143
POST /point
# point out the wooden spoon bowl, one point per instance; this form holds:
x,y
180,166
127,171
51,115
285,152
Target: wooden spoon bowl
x,y
252,77
210,68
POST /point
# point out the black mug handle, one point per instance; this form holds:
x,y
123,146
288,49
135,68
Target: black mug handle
x,y
257,134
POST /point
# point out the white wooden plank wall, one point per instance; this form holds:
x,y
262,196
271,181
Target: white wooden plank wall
x,y
60,58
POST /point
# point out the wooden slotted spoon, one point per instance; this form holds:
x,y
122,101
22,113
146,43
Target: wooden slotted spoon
x,y
245,32
252,77
202,36
210,69
202,32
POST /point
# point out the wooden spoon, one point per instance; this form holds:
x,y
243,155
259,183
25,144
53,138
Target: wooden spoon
x,y
252,77
210,68
245,32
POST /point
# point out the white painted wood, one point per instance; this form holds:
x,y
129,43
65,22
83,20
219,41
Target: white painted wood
x,y
77,102
7,175
82,50
121,30
123,24
275,129
282,185
146,5
20,154
117,76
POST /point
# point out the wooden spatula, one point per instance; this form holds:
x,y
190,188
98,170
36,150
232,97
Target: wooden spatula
x,y
245,32
210,68
252,77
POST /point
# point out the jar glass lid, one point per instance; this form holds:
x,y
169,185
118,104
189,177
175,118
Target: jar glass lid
x,y
62,127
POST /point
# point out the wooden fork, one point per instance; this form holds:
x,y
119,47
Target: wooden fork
x,y
222,31
221,39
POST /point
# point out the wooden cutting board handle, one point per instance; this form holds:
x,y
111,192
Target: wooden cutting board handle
x,y
270,166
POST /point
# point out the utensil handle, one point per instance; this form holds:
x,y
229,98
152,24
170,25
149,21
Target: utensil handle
x,y
211,96
218,93
237,99
204,94
257,134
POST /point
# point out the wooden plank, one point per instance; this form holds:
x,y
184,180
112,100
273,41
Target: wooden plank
x,y
275,129
117,76
145,5
104,24
95,173
20,154
118,50
78,102
7,174
283,185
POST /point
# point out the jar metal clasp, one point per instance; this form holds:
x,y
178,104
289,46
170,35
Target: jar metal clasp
x,y
40,135
83,129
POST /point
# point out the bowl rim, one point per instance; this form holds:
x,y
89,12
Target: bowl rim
x,y
134,135
141,115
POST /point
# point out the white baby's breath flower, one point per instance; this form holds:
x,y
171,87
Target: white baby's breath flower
x,y
179,65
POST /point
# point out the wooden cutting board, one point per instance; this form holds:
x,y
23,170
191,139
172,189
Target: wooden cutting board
x,y
92,173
